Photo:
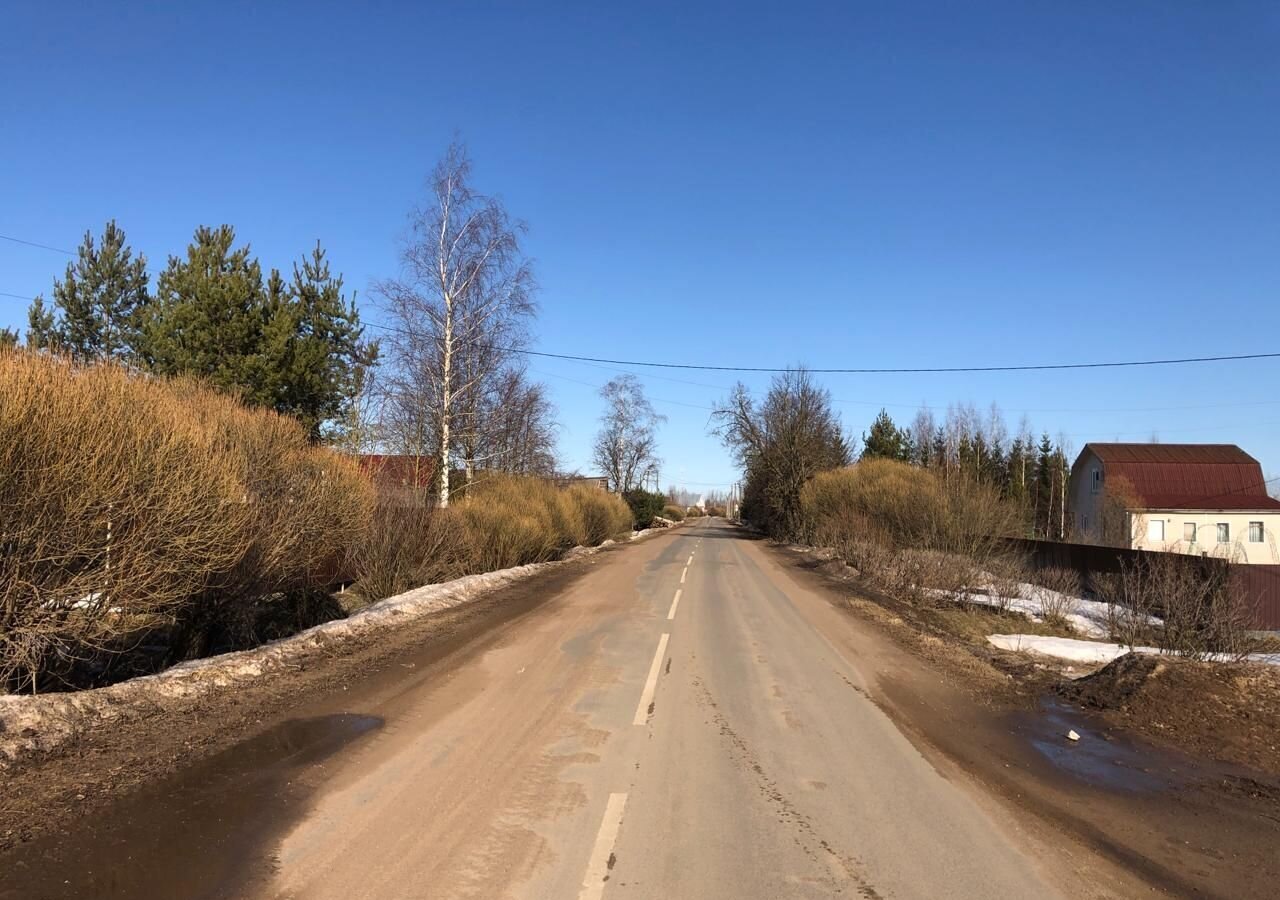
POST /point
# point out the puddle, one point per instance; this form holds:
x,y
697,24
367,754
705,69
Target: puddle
x,y
206,832
1114,764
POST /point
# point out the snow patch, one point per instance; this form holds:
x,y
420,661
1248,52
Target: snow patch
x,y
1089,617
1076,650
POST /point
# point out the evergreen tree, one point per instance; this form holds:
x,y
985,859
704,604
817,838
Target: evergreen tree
x,y
1044,487
8,338
312,344
294,346
938,455
209,315
886,440
42,329
100,300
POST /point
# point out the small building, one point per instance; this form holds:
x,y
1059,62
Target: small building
x,y
1205,499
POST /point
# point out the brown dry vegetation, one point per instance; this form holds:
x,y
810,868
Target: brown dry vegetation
x,y
134,509
910,531
501,521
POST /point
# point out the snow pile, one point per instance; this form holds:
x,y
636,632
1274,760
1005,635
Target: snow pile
x,y
1081,651
44,721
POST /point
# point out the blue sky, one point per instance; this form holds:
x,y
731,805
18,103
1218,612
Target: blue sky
x,y
872,184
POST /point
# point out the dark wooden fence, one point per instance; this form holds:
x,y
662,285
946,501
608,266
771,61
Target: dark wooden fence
x,y
1259,584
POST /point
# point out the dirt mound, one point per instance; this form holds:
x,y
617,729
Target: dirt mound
x,y
1225,712
1114,685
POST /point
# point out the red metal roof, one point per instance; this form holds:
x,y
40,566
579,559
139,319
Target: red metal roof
x,y
406,471
1187,476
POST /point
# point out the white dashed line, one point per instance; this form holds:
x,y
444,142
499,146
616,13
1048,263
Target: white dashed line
x,y
684,573
674,603
642,711
593,881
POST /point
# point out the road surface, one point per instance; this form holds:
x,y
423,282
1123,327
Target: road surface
x,y
673,726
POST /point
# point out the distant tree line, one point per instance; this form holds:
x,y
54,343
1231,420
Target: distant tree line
x,y
1033,474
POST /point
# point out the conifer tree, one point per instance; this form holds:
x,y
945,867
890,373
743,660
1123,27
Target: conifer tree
x,y
886,440
8,338
101,297
42,328
312,344
1044,486
209,315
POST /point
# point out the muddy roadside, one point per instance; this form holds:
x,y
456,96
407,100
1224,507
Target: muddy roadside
x,y
167,755
1184,821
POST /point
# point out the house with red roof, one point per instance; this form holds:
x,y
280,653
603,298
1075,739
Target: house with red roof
x,y
1205,499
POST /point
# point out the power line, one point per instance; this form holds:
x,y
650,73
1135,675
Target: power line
x,y
16,296
5,237
905,370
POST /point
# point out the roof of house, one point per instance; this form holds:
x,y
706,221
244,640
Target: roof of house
x,y
414,471
1188,476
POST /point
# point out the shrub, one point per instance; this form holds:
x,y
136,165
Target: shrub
x,y
498,522
1058,592
674,513
1202,613
912,507
132,506
644,506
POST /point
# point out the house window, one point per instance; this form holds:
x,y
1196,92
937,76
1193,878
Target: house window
x,y
1224,533
1189,532
1255,532
1155,530
1096,484
1084,523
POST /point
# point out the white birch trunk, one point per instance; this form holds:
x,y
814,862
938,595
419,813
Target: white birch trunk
x,y
446,399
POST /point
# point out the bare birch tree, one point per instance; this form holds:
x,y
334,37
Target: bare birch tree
x,y
628,437
460,308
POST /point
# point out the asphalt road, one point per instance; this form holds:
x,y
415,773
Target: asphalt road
x,y
677,724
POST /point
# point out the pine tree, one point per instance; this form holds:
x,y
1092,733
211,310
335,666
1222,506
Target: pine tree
x,y
312,344
209,315
42,329
939,448
1044,487
886,440
8,338
101,298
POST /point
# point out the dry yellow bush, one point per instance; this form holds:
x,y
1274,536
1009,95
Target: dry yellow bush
x,y
498,522
129,504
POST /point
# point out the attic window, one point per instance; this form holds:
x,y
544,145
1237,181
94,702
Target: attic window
x,y
1224,533
1096,484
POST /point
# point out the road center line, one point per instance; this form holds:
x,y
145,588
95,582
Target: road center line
x,y
593,881
684,573
642,711
674,603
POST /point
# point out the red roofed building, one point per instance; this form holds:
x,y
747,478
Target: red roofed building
x,y
1188,498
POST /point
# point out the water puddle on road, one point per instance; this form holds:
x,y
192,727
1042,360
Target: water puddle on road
x,y
1097,758
205,832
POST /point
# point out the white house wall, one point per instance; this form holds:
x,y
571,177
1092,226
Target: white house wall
x,y
1239,549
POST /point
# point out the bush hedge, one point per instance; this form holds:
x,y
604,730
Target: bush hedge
x,y
499,522
133,507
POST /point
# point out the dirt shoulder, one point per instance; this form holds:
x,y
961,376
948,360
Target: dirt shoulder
x,y
1186,823
43,791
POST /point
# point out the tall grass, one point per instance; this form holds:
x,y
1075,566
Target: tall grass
x,y
135,508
